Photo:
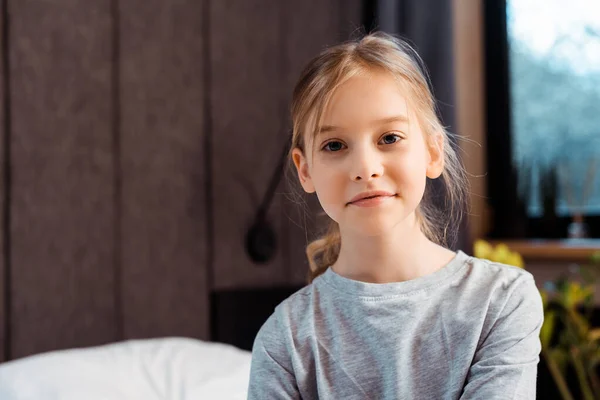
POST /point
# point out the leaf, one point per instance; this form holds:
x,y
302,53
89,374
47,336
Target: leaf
x,y
574,294
515,259
580,323
547,329
585,293
482,249
501,253
544,295
561,358
565,297
584,385
562,287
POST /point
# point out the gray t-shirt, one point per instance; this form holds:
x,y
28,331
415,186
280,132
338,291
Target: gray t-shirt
x,y
469,330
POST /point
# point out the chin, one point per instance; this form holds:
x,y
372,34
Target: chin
x,y
373,226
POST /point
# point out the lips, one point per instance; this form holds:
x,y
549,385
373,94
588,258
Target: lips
x,y
370,195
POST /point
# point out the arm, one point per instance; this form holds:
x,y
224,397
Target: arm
x,y
271,373
505,364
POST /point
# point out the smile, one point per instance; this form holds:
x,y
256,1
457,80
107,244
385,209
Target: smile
x,y
371,199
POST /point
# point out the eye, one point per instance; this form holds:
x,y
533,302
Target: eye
x,y
333,146
390,138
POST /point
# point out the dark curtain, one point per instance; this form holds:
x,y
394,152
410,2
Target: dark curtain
x,y
427,25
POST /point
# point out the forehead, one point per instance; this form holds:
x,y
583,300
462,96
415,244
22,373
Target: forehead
x,y
365,97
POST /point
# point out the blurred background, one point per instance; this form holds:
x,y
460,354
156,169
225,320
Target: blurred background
x,y
142,182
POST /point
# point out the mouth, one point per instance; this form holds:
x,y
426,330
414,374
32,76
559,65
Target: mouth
x,y
370,198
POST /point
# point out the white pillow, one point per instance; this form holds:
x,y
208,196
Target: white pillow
x,y
165,369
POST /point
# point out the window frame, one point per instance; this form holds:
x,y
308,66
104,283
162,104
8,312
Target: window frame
x,y
507,219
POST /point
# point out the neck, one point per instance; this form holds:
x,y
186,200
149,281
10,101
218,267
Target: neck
x,y
402,254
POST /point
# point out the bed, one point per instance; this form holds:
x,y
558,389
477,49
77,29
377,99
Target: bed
x,y
165,368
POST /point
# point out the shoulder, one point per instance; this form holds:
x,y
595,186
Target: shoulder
x,y
285,317
494,291
500,277
510,291
499,269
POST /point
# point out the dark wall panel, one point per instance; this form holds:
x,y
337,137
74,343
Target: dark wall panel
x,y
164,225
3,194
143,138
62,195
352,17
248,134
331,22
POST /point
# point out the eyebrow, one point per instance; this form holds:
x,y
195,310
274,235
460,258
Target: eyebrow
x,y
381,121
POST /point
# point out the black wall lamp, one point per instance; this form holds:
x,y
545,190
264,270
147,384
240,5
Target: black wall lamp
x,y
261,239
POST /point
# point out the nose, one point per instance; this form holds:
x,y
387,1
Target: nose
x,y
366,164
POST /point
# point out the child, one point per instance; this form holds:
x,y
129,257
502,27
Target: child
x,y
390,313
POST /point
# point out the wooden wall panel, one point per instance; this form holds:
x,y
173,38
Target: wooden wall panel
x,y
3,196
469,72
248,134
164,254
330,22
351,12
62,189
136,171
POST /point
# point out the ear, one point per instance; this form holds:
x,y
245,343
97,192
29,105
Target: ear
x,y
435,167
302,168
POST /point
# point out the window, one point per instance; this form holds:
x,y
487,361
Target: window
x,y
543,105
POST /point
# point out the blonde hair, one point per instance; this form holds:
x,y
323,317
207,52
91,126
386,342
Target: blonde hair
x,y
382,52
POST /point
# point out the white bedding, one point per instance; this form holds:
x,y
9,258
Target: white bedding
x,y
165,369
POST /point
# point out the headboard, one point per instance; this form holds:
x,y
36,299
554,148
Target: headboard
x,y
237,315
137,140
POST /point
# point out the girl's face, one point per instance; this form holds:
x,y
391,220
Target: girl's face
x,y
369,163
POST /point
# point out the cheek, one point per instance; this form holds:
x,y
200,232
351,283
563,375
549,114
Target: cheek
x,y
330,189
411,170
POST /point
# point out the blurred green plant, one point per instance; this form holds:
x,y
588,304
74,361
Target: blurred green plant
x,y
499,253
567,337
